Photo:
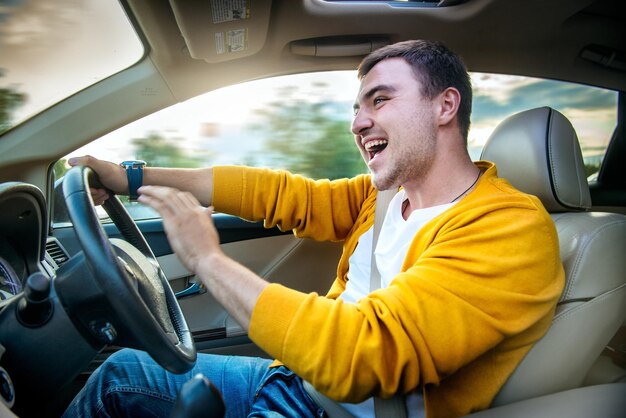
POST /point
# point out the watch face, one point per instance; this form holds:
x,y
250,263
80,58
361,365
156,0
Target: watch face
x,y
133,163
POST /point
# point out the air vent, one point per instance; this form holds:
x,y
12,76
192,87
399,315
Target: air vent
x,y
55,253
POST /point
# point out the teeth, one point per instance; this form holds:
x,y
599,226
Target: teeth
x,y
375,143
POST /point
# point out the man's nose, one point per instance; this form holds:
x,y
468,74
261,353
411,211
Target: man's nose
x,y
361,122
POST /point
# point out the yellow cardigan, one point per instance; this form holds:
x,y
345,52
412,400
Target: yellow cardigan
x,y
478,287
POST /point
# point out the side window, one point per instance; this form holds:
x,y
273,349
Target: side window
x,y
302,123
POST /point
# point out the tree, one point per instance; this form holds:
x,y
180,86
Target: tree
x,y
165,152
308,135
10,100
60,168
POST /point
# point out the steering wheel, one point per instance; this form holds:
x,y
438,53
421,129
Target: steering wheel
x,y
129,277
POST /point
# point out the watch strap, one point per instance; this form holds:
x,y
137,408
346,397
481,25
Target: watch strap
x,y
134,175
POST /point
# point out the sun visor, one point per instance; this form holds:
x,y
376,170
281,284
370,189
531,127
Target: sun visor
x,y
222,30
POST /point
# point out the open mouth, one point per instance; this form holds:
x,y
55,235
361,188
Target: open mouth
x,y
375,147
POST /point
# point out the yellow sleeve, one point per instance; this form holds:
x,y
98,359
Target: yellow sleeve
x,y
473,277
322,209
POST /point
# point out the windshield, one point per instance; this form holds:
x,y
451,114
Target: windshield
x,y
43,61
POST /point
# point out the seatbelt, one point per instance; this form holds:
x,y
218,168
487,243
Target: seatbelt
x,y
396,406
384,408
332,408
383,198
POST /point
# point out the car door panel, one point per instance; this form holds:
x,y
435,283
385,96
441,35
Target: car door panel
x,y
305,265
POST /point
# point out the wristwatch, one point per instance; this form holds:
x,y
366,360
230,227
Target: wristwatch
x,y
134,174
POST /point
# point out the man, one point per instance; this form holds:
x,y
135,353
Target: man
x,y
469,266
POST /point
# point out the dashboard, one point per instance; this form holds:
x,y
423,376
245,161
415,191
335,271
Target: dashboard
x,y
35,328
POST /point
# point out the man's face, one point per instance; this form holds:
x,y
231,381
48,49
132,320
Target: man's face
x,y
394,125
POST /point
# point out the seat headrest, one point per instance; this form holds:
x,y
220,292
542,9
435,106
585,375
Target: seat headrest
x,y
538,152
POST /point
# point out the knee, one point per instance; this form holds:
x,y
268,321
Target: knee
x,y
127,355
119,366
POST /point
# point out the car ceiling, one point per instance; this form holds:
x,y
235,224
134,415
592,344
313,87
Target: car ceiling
x,y
530,37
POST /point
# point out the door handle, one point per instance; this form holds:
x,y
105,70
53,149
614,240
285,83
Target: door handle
x,y
193,289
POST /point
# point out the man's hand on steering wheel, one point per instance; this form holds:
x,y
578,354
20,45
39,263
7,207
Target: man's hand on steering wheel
x,y
112,176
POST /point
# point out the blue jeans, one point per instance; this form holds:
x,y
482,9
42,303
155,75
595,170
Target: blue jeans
x,y
131,384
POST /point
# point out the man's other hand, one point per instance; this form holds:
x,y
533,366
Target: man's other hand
x,y
188,225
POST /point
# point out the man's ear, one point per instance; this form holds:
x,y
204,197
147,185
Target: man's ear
x,y
449,100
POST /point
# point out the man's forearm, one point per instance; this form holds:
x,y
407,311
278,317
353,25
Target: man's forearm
x,y
197,181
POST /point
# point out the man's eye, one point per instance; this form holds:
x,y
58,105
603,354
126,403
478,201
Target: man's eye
x,y
379,100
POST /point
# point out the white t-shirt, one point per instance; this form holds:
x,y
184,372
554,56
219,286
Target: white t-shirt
x,y
395,237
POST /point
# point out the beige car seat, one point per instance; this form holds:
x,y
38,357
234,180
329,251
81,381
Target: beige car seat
x,y
538,152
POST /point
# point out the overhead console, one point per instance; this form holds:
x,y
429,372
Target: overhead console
x,y
222,30
338,46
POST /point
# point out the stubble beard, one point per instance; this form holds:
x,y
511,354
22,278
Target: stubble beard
x,y
410,164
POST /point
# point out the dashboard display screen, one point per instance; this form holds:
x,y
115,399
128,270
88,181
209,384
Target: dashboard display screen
x,y
10,284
